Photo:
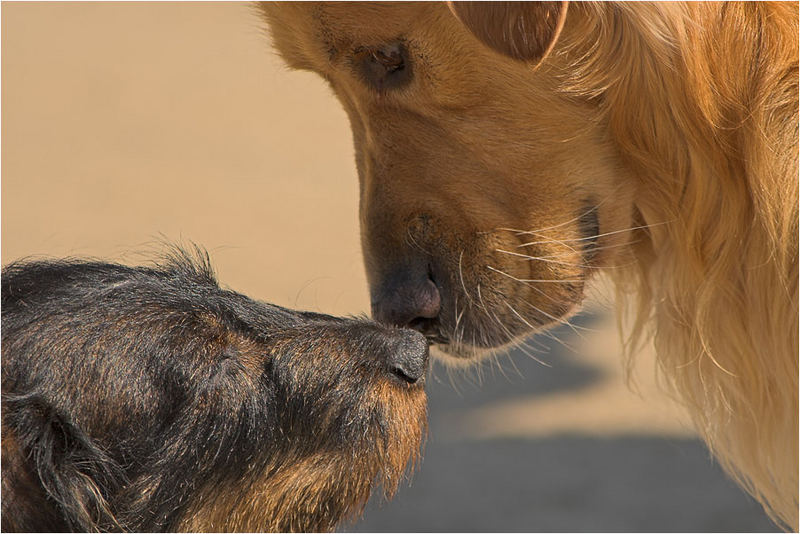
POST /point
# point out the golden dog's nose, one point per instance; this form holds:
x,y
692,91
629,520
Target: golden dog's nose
x,y
404,302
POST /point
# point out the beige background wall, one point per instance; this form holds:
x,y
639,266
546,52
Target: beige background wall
x,y
124,121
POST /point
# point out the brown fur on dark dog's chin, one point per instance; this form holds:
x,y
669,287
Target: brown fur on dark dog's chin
x,y
677,122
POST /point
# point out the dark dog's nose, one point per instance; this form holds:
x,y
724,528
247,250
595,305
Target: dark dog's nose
x,y
408,356
406,302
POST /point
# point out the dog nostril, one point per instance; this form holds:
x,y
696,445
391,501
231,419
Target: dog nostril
x,y
407,304
404,375
429,301
408,356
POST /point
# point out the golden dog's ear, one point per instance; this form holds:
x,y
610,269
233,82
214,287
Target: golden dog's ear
x,y
521,30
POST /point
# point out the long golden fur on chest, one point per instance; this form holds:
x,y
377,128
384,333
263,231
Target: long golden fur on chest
x,y
709,128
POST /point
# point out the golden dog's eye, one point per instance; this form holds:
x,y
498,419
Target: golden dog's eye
x,y
383,67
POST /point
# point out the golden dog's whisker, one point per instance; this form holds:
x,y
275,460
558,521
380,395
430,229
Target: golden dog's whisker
x,y
513,339
491,315
527,281
528,341
547,228
585,251
572,250
521,344
587,212
479,374
591,237
541,292
511,360
566,322
538,330
461,276
574,327
495,360
480,299
459,336
544,349
535,308
515,343
540,348
452,381
539,258
546,295
478,329
524,341
507,354
558,320
457,316
565,255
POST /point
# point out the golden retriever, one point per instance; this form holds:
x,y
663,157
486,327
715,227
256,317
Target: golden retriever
x,y
507,152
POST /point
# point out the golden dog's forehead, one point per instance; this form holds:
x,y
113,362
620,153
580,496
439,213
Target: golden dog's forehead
x,y
307,34
373,19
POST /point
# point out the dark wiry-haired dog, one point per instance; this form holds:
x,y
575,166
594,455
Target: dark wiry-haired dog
x,y
150,399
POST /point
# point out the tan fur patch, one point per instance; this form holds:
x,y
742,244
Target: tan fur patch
x,y
302,494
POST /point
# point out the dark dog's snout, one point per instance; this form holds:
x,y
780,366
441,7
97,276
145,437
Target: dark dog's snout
x,y
408,357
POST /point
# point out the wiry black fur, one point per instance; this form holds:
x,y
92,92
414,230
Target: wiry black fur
x,y
126,389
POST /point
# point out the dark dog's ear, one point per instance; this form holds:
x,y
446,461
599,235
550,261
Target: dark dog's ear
x,y
521,30
73,472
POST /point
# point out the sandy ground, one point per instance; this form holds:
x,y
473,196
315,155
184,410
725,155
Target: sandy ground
x,y
125,124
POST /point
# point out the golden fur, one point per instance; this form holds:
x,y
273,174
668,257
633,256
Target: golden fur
x,y
674,126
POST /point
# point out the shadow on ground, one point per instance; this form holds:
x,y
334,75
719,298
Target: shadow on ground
x,y
573,483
